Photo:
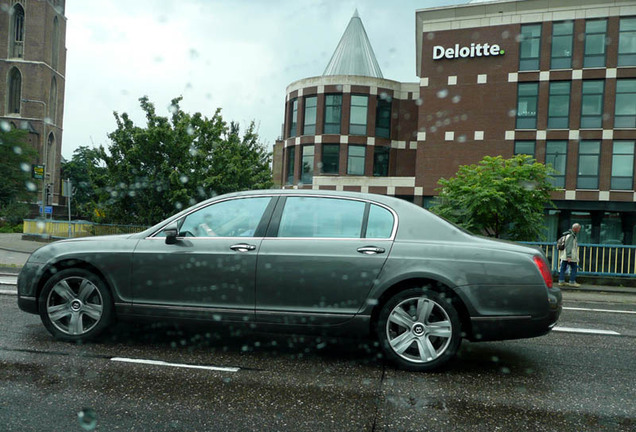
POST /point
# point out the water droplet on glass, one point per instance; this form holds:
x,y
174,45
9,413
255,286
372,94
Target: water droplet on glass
x,y
17,150
456,99
32,187
5,126
87,419
419,102
173,109
25,167
184,179
190,130
442,93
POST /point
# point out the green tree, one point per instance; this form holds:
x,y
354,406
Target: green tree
x,y
17,189
173,162
86,176
503,198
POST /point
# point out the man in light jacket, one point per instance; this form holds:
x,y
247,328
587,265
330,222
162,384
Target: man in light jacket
x,y
570,256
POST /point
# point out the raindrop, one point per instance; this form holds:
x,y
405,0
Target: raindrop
x,y
461,139
184,179
456,99
87,419
430,35
190,130
339,87
173,109
442,93
17,150
4,125
25,167
505,34
32,187
505,370
194,54
419,102
512,113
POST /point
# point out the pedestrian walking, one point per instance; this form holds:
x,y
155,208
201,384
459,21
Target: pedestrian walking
x,y
569,256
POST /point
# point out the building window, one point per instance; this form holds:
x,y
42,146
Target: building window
x,y
331,158
309,127
307,176
355,159
627,42
53,101
293,122
559,105
527,105
562,37
595,35
623,165
524,147
333,113
16,48
383,117
556,155
15,91
589,158
358,118
291,163
55,52
530,47
381,161
592,104
625,113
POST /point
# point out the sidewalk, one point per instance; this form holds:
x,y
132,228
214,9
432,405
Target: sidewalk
x,y
14,252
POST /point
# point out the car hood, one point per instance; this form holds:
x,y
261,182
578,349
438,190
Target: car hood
x,y
79,245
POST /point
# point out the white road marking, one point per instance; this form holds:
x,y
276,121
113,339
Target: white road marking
x,y
162,363
8,292
585,331
600,310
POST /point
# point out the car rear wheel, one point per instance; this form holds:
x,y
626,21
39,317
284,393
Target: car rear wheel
x,y
75,305
419,329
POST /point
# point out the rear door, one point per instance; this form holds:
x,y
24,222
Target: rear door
x,y
320,259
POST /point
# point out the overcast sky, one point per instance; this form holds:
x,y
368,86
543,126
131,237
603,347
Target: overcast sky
x,y
237,55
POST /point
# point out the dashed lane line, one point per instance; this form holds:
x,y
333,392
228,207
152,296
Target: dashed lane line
x,y
585,331
178,365
600,310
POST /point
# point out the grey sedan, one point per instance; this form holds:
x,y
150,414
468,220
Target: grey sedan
x,y
301,261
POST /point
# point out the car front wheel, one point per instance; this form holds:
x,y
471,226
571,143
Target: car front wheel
x,y
419,329
75,305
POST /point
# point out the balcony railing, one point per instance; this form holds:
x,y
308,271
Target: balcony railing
x,y
596,259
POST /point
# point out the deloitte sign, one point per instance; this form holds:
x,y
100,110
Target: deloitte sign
x,y
472,51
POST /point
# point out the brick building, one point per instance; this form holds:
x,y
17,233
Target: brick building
x,y
32,71
556,80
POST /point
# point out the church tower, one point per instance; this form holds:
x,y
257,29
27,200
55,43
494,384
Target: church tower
x,y
32,79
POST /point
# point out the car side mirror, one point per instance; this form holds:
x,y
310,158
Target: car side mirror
x,y
171,232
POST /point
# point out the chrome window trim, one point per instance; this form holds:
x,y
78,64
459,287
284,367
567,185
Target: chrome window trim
x,y
286,195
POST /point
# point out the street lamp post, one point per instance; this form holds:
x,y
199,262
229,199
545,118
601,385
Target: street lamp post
x,y
44,151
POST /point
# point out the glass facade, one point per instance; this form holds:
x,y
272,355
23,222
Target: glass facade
x,y
593,92
381,161
291,163
355,159
595,43
309,122
556,155
525,147
307,175
293,117
527,98
330,158
625,113
562,38
559,105
358,115
383,118
589,160
333,113
627,42
530,47
623,165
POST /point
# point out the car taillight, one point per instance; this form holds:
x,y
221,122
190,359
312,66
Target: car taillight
x,y
544,269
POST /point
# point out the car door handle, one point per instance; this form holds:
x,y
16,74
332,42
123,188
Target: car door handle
x,y
242,247
371,250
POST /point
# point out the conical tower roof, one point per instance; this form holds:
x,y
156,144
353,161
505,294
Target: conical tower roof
x,y
354,55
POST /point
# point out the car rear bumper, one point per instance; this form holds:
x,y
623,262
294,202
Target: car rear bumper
x,y
491,328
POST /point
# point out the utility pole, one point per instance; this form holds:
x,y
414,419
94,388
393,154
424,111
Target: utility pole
x,y
44,152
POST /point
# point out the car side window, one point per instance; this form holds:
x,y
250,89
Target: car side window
x,y
231,218
321,217
380,224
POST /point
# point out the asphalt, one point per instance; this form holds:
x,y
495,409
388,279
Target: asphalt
x,y
14,251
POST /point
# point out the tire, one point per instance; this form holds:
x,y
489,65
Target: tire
x,y
75,305
419,329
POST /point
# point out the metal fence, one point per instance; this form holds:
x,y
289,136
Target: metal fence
x,y
60,229
596,259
